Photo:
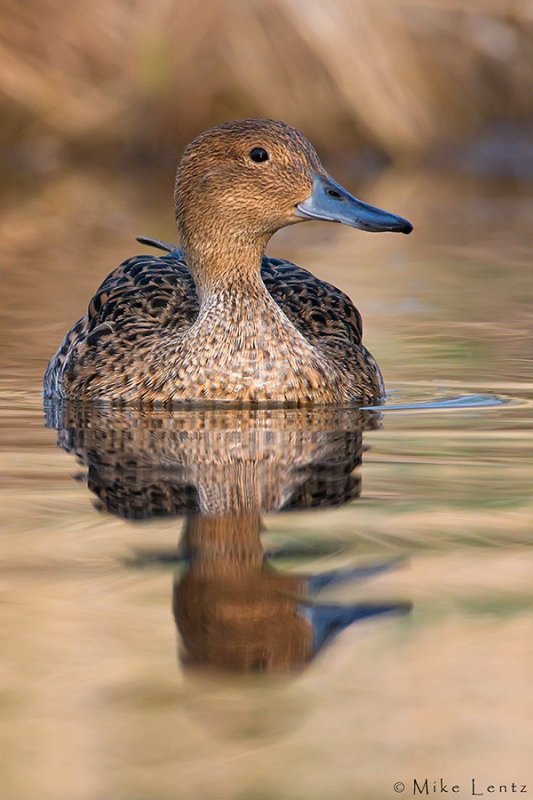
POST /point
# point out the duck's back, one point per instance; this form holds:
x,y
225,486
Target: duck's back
x,y
151,299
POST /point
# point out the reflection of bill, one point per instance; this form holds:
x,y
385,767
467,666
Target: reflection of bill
x,y
235,610
221,469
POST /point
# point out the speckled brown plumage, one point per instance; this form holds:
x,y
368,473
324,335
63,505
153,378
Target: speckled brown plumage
x,y
218,321
121,349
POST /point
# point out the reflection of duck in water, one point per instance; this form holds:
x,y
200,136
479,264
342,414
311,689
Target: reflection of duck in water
x,y
221,469
218,321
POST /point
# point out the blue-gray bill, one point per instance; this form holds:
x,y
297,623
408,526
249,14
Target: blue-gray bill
x,y
330,201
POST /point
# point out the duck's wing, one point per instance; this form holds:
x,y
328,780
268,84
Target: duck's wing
x,y
142,295
320,311
156,290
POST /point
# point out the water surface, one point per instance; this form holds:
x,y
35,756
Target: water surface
x,y
299,604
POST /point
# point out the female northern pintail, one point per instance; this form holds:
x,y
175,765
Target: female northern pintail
x,y
217,320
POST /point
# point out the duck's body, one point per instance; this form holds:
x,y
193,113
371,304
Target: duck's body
x,y
297,339
218,321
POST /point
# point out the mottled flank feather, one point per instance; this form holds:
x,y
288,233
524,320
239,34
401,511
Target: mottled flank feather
x,y
148,300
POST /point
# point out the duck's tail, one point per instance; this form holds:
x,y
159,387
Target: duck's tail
x,y
149,242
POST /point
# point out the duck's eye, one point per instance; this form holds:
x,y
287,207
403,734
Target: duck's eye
x,y
258,154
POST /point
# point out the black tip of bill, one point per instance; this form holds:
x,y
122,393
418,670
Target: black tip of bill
x,y
331,202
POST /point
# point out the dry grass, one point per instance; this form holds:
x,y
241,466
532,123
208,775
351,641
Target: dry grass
x,y
402,75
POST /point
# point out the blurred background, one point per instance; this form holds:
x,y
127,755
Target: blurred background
x,y
394,79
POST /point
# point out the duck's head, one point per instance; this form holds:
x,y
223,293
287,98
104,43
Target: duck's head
x,y
250,178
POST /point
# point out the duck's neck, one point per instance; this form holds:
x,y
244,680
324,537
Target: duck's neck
x,y
239,323
242,346
229,267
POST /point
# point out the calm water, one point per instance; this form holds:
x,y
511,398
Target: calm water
x,y
263,605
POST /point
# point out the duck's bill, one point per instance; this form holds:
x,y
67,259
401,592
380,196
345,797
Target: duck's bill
x,y
331,202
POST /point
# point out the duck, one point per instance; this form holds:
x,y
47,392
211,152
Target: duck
x,y
216,320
